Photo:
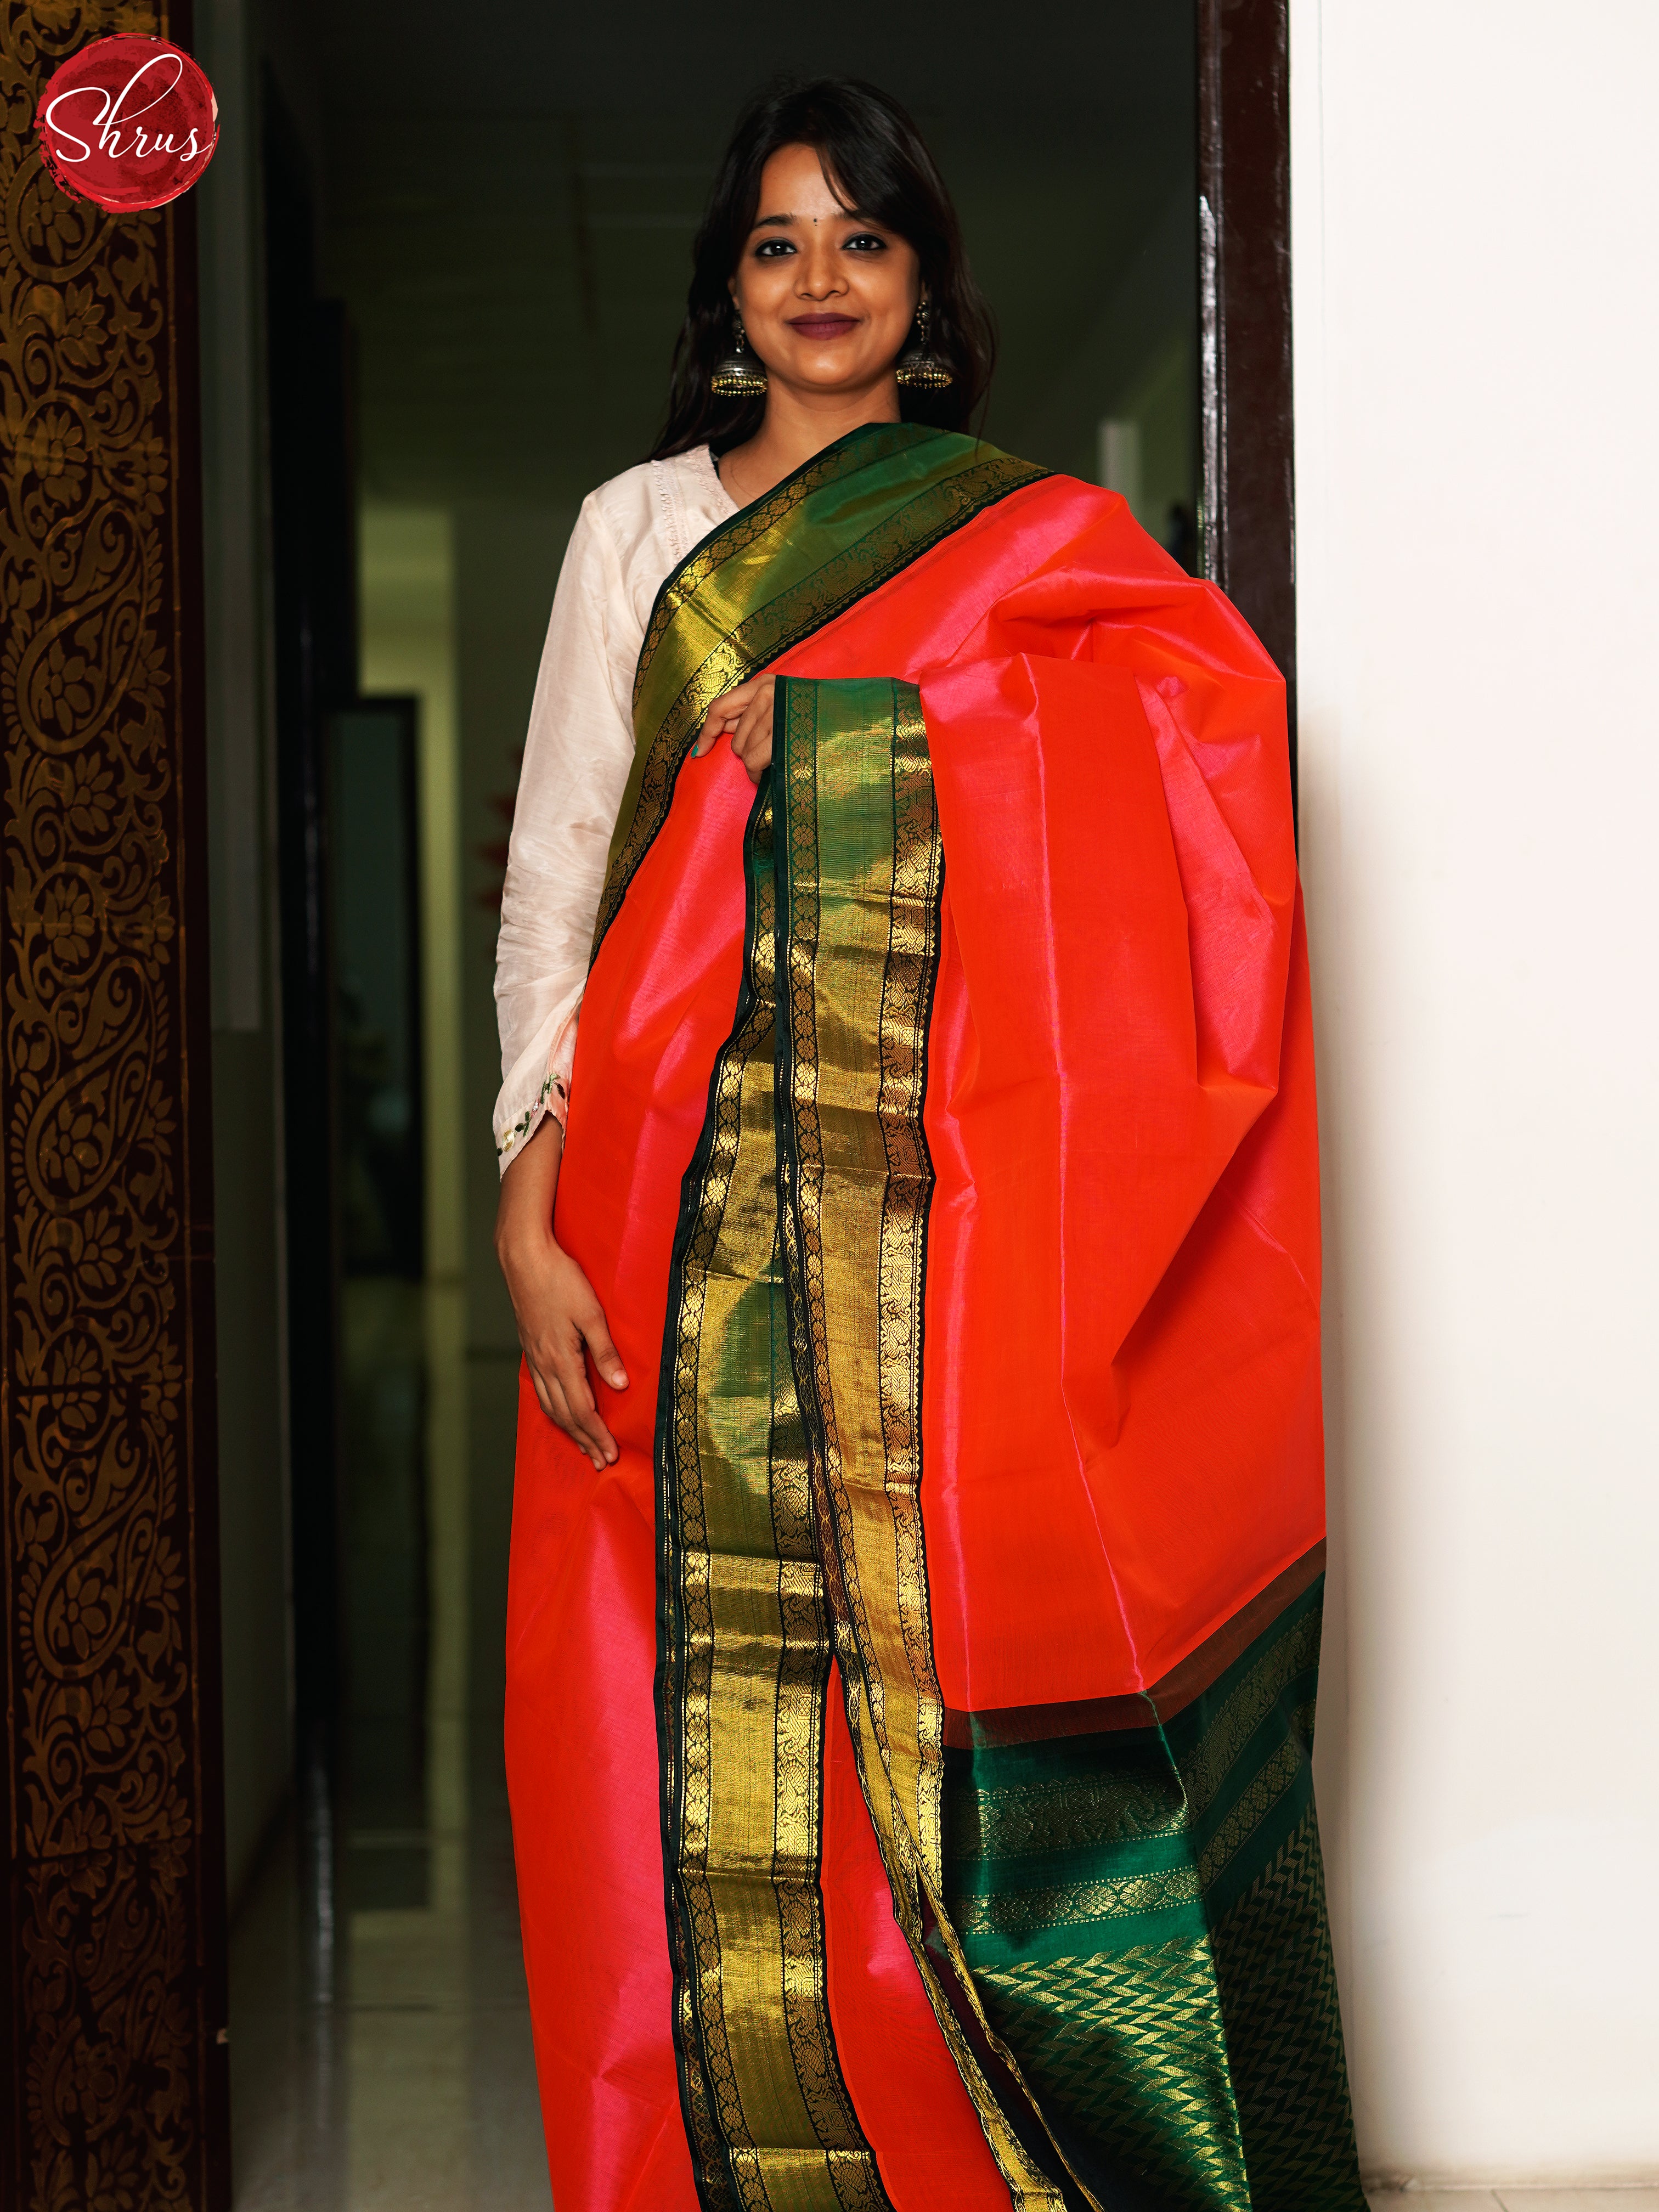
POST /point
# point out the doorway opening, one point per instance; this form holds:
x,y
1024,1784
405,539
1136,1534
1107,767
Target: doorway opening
x,y
472,279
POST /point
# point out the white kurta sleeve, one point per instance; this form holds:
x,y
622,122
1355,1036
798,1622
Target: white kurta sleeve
x,y
576,762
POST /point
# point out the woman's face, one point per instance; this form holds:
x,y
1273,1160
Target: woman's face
x,y
827,296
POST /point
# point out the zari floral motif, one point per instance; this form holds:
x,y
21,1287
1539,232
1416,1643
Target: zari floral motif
x,y
770,2119
105,1947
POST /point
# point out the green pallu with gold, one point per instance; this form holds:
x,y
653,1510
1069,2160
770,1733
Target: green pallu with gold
x,y
1142,1908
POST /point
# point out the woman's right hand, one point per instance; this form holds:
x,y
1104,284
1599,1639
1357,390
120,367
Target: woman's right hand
x,y
561,1322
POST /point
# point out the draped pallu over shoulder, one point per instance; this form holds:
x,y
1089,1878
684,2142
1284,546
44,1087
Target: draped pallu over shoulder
x,y
909,1737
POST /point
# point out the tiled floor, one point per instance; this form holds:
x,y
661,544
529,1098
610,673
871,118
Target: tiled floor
x,y
386,2069
380,2034
1515,2200
380,2028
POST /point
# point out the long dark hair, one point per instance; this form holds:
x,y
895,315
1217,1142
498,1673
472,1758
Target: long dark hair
x,y
874,157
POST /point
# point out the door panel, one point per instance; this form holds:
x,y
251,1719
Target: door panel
x,y
1247,400
111,1996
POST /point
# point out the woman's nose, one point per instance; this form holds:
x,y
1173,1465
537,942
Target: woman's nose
x,y
819,276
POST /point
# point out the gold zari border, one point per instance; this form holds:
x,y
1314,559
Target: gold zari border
x,y
746,1649
860,874
762,583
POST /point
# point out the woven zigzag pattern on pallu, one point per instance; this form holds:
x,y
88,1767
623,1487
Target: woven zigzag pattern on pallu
x,y
1130,2048
1144,1911
1278,1979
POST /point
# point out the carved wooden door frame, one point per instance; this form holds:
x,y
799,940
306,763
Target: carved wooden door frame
x,y
1247,399
114,2065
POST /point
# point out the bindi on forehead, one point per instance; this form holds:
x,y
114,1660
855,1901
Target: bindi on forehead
x,y
783,222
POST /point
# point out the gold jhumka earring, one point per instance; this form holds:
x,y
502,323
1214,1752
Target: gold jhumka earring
x,y
919,370
738,374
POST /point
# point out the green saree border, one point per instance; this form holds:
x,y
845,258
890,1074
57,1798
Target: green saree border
x,y
844,523
768,2118
860,865
1128,1901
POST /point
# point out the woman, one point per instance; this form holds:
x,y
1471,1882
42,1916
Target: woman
x,y
915,1579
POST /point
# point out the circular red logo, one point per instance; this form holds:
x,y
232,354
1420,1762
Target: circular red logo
x,y
128,122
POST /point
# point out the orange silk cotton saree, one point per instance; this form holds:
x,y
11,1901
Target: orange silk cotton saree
x,y
908,1737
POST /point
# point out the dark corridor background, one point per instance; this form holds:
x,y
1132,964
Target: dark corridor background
x,y
507,219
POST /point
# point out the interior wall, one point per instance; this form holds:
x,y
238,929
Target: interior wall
x,y
252,1507
506,564
406,586
1131,361
1477,572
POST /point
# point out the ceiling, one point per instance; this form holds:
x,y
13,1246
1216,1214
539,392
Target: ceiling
x,y
508,215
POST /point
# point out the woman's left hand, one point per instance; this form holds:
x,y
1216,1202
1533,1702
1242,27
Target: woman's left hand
x,y
747,713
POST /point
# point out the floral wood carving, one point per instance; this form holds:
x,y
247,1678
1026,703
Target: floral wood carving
x,y
116,2090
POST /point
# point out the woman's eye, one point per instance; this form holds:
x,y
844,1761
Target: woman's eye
x,y
866,241
771,248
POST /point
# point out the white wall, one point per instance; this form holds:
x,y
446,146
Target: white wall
x,y
1477,325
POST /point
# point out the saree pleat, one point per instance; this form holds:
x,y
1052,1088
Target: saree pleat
x,y
941,1651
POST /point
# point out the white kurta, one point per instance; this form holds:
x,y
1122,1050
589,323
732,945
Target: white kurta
x,y
630,534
